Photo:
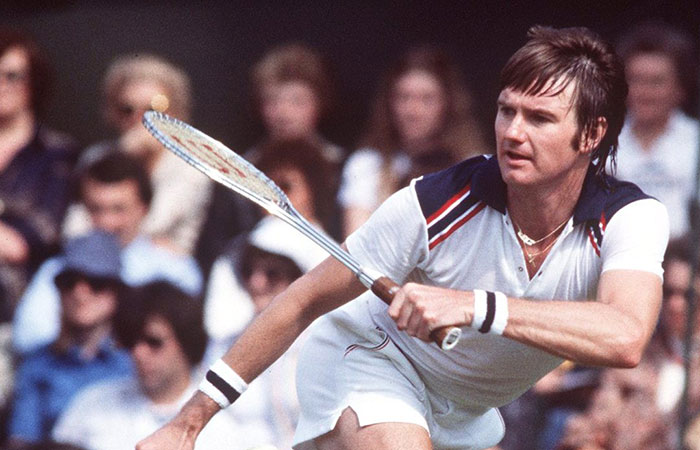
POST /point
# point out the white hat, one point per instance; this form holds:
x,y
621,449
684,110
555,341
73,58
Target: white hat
x,y
274,236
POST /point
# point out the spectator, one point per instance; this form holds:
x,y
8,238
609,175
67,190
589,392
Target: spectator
x,y
133,85
117,193
659,143
537,420
35,163
273,257
293,94
84,352
639,408
162,328
421,120
296,167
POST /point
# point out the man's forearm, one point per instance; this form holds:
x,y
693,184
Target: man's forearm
x,y
275,329
612,331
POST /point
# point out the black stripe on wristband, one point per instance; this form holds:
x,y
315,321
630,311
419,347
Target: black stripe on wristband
x,y
490,312
229,392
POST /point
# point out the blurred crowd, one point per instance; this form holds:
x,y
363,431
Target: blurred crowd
x,y
124,272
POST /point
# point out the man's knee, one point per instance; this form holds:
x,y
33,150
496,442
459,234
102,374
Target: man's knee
x,y
348,435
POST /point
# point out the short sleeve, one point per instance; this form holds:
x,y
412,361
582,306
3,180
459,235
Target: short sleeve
x,y
360,180
394,239
636,238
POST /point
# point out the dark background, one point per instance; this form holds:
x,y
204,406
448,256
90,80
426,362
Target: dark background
x,y
217,42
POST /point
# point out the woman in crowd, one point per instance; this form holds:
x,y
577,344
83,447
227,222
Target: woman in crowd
x,y
35,163
292,94
421,121
295,166
132,85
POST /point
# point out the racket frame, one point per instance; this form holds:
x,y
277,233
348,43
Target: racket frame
x,y
446,337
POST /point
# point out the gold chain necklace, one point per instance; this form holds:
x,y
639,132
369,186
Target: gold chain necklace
x,y
527,240
531,256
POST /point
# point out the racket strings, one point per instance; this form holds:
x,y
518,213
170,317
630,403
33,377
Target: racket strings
x,y
230,168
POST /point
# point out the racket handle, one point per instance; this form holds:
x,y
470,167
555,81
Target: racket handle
x,y
445,337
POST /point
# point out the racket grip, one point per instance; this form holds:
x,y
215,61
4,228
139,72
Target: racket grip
x,y
445,337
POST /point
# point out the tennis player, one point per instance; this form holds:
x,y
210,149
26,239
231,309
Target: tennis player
x,y
537,253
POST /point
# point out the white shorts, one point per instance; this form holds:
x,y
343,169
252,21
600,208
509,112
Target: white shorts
x,y
348,362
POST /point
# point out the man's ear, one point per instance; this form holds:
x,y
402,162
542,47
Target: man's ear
x,y
590,139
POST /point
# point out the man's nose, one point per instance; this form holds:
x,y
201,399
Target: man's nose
x,y
514,130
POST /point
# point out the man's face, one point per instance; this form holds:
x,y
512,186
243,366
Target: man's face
x,y
115,207
293,182
418,106
134,99
289,110
15,95
654,88
534,138
674,307
266,277
86,302
160,361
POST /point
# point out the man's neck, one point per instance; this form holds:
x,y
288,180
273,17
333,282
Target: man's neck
x,y
538,210
88,340
15,132
152,159
172,392
647,133
416,147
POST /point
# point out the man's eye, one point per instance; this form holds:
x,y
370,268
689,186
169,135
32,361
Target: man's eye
x,y
505,110
537,118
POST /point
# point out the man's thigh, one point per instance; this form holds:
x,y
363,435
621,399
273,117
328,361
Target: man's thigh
x,y
348,435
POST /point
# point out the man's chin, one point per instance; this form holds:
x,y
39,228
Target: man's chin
x,y
516,177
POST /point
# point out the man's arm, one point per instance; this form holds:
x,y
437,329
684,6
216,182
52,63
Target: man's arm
x,y
611,331
321,290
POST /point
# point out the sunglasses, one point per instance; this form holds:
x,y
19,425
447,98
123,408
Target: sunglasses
x,y
127,110
66,281
668,291
272,272
13,76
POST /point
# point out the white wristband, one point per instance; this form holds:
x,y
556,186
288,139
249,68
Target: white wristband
x,y
222,384
479,309
500,319
490,312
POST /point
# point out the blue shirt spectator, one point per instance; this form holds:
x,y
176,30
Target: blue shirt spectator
x,y
49,378
116,192
90,288
36,318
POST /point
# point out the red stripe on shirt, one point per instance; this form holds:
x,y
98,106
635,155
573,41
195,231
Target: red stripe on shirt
x,y
447,204
479,206
591,238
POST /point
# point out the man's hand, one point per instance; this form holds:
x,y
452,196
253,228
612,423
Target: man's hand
x,y
181,432
173,436
419,309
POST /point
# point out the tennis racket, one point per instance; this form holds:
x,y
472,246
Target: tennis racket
x,y
223,165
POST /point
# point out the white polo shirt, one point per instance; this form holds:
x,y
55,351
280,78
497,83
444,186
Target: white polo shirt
x,y
452,229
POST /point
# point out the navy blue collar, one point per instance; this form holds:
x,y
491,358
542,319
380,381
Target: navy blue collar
x,y
488,186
